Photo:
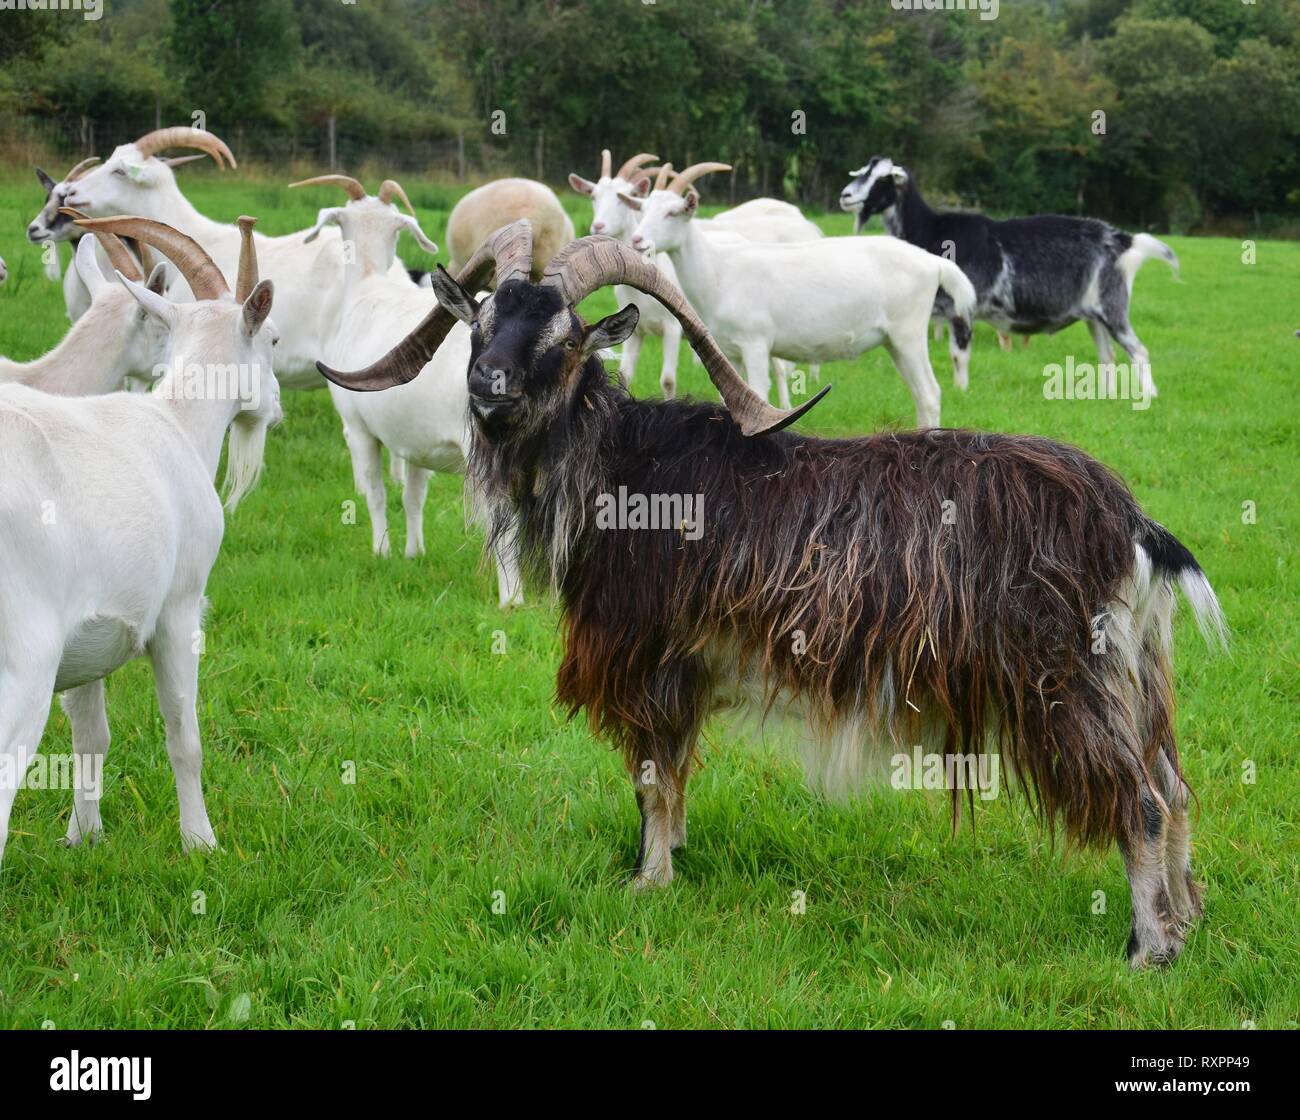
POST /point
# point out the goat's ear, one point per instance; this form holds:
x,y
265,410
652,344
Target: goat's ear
x,y
610,331
45,181
158,306
627,200
141,174
413,228
692,204
327,217
581,185
157,282
87,266
899,175
452,296
640,186
257,307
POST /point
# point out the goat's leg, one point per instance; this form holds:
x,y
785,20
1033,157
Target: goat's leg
x,y
368,477
25,694
912,360
1155,937
174,653
959,344
783,371
1184,893
1005,342
938,329
627,362
1139,359
415,486
679,807
88,715
757,358
672,352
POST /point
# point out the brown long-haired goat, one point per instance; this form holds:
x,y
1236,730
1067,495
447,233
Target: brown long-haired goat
x,y
967,590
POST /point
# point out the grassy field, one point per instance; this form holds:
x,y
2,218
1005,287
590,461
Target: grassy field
x,y
373,902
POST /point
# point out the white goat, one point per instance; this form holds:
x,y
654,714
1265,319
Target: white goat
x,y
115,338
479,214
112,525
816,301
308,278
424,424
761,219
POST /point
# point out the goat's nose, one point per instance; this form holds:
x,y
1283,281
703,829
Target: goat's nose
x,y
490,379
597,227
638,240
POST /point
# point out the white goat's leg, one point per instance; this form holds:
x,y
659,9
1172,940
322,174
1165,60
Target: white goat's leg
x,y
1105,358
783,371
672,352
368,477
25,694
912,360
88,715
1139,359
757,359
174,653
631,352
415,486
510,585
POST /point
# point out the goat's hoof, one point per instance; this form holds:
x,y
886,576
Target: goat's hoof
x,y
205,842
649,880
76,839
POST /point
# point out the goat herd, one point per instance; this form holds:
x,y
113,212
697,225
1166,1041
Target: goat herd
x,y
965,591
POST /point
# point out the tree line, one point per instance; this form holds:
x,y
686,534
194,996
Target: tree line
x,y
1173,114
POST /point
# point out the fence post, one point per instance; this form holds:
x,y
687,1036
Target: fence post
x,y
460,154
332,141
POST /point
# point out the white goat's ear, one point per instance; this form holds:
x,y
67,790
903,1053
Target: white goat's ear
x,y
327,217
452,296
610,331
88,266
581,185
641,186
157,282
692,204
898,174
258,306
413,228
627,200
158,306
141,173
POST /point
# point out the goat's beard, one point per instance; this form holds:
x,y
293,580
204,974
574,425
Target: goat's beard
x,y
244,456
537,485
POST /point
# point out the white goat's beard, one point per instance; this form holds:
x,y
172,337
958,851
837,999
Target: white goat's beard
x,y
244,456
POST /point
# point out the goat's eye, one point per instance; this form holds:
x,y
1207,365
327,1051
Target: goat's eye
x,y
569,344
120,172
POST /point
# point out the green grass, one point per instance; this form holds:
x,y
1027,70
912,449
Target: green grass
x,y
373,902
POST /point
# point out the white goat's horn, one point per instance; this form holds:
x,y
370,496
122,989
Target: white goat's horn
x,y
606,162
356,192
634,164
684,179
204,277
390,187
81,168
665,172
178,161
151,143
247,279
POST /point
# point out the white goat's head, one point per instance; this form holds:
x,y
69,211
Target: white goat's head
x,y
220,347
50,224
370,224
609,214
665,213
135,180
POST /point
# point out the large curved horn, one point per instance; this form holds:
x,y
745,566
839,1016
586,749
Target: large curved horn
x,y
390,187
635,164
80,169
606,162
182,137
665,173
591,263
119,256
684,179
509,251
356,192
204,277
247,279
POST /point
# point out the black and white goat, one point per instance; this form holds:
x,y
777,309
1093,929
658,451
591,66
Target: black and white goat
x,y
967,590
1032,275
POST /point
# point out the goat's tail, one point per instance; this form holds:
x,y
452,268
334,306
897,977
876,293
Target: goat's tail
x,y
1145,247
1173,562
959,288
